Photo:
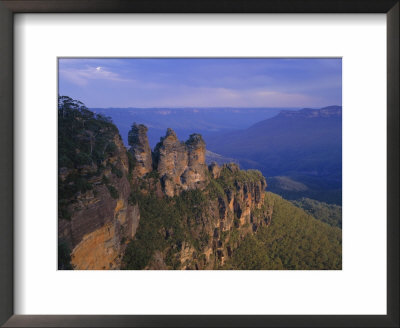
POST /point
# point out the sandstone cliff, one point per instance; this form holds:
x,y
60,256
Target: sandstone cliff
x,y
229,214
140,150
194,176
185,214
198,228
221,205
170,161
181,166
101,217
95,218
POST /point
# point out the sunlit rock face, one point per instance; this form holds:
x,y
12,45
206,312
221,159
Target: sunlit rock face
x,y
195,173
170,161
100,224
227,216
180,165
140,149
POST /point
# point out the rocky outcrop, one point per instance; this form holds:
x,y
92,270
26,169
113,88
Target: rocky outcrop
x,y
170,161
101,218
181,166
215,170
240,210
236,208
194,176
140,149
221,206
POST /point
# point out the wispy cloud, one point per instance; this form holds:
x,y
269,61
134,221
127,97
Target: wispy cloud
x,y
214,97
82,76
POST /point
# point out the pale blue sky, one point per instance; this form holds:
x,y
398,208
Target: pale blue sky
x,y
133,82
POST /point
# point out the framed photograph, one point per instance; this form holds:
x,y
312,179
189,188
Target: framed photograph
x,y
217,164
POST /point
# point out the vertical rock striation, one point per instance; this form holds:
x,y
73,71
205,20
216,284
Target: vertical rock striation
x,y
170,161
101,221
181,166
194,176
140,149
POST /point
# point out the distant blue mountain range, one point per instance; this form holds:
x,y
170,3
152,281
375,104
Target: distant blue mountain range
x,y
292,149
185,121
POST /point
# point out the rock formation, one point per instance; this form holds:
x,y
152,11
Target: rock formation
x,y
215,170
225,219
194,175
100,213
100,221
170,161
140,149
241,208
181,166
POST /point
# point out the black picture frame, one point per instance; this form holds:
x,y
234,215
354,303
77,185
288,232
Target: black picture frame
x,y
7,10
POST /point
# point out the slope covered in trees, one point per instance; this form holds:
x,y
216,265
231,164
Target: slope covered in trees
x,y
328,213
80,128
85,142
295,241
